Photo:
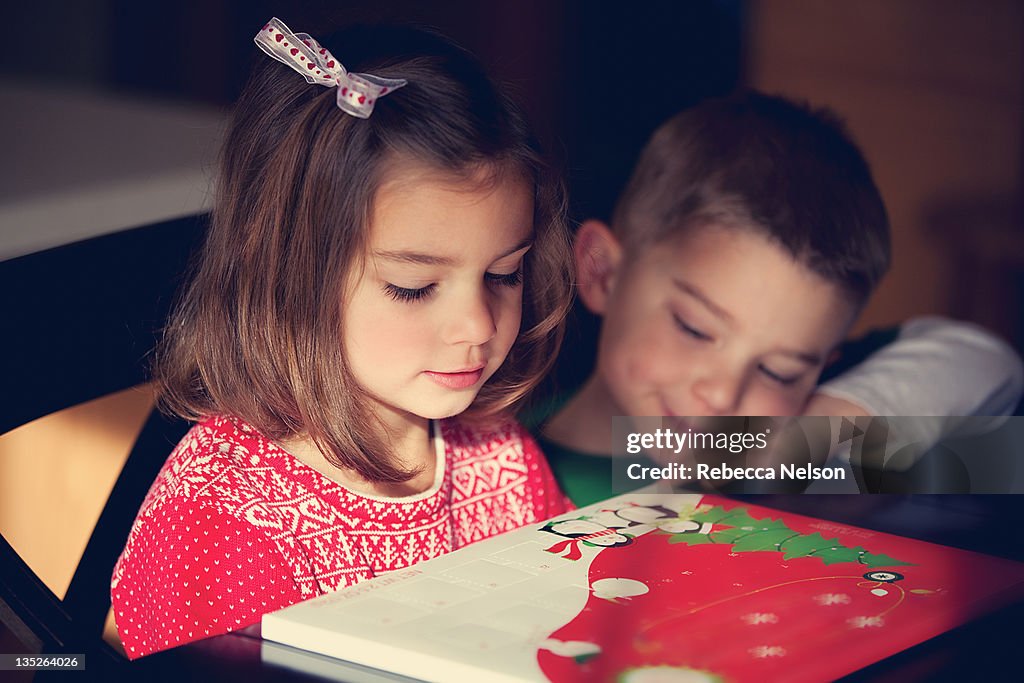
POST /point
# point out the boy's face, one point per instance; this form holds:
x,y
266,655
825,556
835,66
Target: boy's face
x,y
720,321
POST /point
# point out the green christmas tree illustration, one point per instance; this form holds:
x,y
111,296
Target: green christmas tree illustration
x,y
748,534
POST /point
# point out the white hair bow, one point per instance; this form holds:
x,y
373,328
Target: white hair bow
x,y
357,93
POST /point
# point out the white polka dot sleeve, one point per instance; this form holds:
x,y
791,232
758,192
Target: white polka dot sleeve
x,y
552,501
190,572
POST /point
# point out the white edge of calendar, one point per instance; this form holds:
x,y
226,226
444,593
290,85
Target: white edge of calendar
x,y
539,593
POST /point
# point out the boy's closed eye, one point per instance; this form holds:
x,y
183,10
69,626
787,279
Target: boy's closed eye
x,y
785,379
690,330
780,378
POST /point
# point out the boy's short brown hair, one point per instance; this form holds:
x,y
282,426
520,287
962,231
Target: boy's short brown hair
x,y
763,163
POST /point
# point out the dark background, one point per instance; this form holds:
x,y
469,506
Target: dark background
x,y
595,77
930,88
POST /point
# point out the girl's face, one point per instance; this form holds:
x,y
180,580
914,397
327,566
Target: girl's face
x,y
436,305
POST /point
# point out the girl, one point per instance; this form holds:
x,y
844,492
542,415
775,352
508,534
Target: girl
x,y
385,253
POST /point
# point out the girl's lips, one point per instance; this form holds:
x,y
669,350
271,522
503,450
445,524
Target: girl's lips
x,y
456,380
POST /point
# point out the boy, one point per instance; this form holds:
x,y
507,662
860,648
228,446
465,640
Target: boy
x,y
741,252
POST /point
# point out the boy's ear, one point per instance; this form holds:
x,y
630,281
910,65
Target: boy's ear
x,y
598,256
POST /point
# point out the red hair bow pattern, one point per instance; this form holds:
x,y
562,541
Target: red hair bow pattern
x,y
357,93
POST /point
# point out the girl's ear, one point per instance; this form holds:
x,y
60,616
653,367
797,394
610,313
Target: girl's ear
x,y
598,256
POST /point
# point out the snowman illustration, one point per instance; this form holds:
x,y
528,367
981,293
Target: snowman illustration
x,y
609,528
586,532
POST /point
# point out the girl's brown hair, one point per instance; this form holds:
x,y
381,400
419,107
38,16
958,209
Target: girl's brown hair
x,y
256,332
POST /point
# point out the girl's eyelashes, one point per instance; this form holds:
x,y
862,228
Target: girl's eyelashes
x,y
409,294
776,377
405,294
690,330
506,279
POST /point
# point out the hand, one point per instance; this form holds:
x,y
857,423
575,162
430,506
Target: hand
x,y
809,441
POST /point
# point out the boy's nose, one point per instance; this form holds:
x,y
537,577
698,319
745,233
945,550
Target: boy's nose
x,y
475,323
719,393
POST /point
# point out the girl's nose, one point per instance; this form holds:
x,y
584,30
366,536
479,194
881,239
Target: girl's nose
x,y
474,323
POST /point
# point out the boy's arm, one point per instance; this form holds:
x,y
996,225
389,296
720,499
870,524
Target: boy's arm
x,y
935,367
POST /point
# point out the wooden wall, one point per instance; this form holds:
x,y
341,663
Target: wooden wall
x,y
934,92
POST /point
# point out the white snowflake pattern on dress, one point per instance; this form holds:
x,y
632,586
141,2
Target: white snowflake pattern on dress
x,y
766,651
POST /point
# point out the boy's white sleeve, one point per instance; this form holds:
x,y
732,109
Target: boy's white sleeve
x,y
936,367
939,370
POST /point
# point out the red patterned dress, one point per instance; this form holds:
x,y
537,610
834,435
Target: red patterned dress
x,y
235,527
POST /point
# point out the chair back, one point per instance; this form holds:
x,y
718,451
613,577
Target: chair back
x,y
79,323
